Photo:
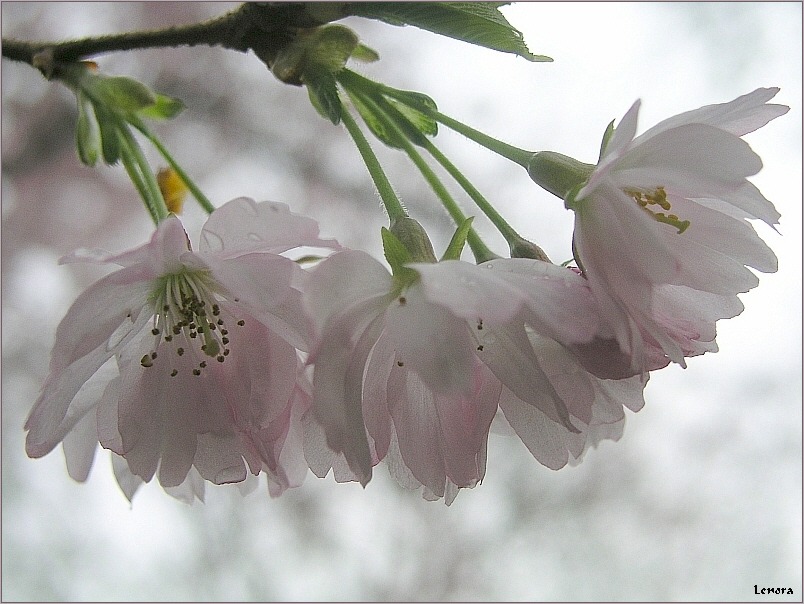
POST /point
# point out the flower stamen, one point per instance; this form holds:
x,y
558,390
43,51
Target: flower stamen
x,y
659,198
188,305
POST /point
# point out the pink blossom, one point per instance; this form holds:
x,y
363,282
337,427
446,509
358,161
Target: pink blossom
x,y
661,230
184,362
414,374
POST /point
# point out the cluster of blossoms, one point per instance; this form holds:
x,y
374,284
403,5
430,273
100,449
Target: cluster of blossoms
x,y
230,361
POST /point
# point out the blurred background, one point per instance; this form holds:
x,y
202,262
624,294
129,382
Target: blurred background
x,y
700,500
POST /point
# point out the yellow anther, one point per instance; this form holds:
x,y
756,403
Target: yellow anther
x,y
658,197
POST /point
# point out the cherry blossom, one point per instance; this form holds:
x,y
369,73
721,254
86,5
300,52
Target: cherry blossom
x,y
661,228
415,374
185,362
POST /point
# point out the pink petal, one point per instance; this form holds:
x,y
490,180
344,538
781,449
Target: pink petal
x,y
341,281
431,341
243,225
693,160
469,292
744,114
129,482
79,447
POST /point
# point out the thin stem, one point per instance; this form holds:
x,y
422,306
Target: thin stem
x,y
202,199
515,154
479,249
493,215
153,198
392,204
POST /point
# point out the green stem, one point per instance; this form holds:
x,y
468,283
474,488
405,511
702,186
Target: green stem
x,y
202,199
493,215
357,82
385,113
515,154
392,204
151,195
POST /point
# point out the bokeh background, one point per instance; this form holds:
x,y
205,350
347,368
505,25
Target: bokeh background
x,y
700,500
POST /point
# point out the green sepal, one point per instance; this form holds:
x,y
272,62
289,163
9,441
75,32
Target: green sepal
x,y
164,108
478,23
326,48
365,54
395,252
455,247
570,201
87,134
323,92
606,138
413,237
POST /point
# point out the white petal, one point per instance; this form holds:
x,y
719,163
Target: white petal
x,y
559,302
508,353
243,225
79,447
692,160
744,114
341,281
550,443
129,482
470,292
218,460
432,341
417,427
340,361
623,135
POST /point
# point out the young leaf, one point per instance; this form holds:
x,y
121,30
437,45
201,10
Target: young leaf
x,y
110,144
455,247
121,94
479,23
164,108
375,124
323,92
87,136
421,122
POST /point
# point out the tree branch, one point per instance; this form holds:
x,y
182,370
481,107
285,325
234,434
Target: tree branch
x,y
264,27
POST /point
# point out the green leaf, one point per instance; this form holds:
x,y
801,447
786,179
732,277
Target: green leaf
x,y
121,94
455,247
164,108
87,135
323,92
478,23
395,251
